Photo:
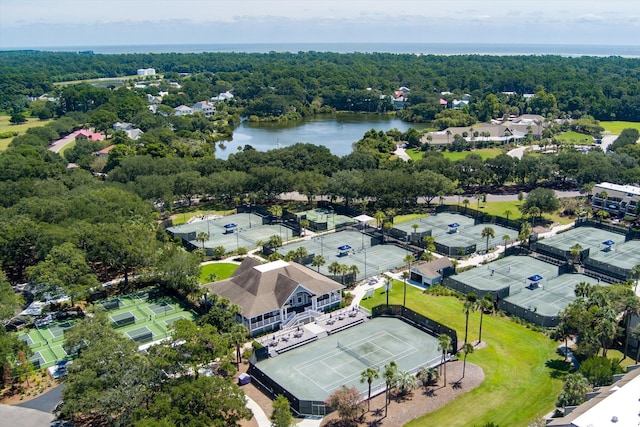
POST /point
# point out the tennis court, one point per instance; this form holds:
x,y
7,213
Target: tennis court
x,y
472,235
439,223
314,371
513,272
552,297
363,251
587,237
622,256
46,343
231,232
146,315
319,217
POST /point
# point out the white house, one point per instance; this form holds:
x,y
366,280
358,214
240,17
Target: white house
x,y
182,110
271,294
224,96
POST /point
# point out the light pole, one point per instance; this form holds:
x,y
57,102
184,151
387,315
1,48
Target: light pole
x,y
237,239
362,232
365,263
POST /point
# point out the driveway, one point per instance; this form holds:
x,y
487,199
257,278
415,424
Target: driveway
x,y
46,402
59,144
24,417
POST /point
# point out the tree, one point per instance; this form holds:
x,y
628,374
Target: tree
x,y
428,376
304,223
355,271
10,301
635,334
525,232
598,370
202,237
444,345
195,401
346,401
379,216
506,239
635,274
334,268
544,199
318,261
300,254
405,382
575,253
281,414
386,226
507,213
390,374
470,302
64,269
583,290
488,232
574,390
388,282
630,309
430,246
17,118
368,375
467,349
405,276
178,269
108,380
485,304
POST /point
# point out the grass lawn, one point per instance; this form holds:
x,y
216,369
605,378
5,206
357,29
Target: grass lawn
x,y
616,127
223,270
575,138
485,153
399,219
183,217
5,126
499,208
521,382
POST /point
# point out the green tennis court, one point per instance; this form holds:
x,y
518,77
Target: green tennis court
x,y
325,216
314,371
587,237
623,256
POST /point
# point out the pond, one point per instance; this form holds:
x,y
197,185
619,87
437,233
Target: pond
x,y
337,132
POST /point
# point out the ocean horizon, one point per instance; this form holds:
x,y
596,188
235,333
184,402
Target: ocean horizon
x,y
497,49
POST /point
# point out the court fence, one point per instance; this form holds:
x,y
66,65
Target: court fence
x,y
529,314
318,408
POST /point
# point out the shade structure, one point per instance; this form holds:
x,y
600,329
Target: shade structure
x,y
229,226
363,218
344,248
535,278
608,243
454,225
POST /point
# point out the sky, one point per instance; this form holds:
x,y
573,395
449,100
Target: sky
x,y
51,23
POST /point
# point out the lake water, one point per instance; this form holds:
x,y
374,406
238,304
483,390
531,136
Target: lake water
x,y
337,132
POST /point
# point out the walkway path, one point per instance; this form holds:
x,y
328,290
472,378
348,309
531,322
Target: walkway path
x,y
401,153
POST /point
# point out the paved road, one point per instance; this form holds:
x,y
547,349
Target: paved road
x,y
58,145
46,402
519,152
24,417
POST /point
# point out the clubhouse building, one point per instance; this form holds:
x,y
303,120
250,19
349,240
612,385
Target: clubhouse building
x,y
269,295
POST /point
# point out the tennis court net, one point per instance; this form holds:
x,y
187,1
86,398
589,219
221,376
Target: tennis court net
x,y
357,356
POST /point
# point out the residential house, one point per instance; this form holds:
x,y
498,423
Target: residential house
x,y
88,135
457,104
224,96
182,110
104,152
271,294
431,273
205,107
132,132
618,200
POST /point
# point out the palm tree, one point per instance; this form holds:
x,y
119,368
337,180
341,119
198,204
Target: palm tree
x,y
304,223
444,345
575,252
415,229
635,334
631,308
525,232
368,375
507,213
334,268
387,226
318,261
478,198
469,306
405,382
467,349
533,212
506,239
379,217
355,271
429,242
405,276
575,388
301,253
605,331
488,232
635,274
465,202
583,289
387,283
428,376
202,237
344,269
390,374
484,304
238,336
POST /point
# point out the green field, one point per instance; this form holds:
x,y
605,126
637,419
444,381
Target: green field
x,y
5,126
183,217
400,219
520,383
575,138
223,270
485,153
499,208
617,127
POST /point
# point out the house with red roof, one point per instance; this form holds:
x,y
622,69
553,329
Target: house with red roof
x,y
88,135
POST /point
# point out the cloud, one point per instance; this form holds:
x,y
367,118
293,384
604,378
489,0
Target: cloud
x,y
589,18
